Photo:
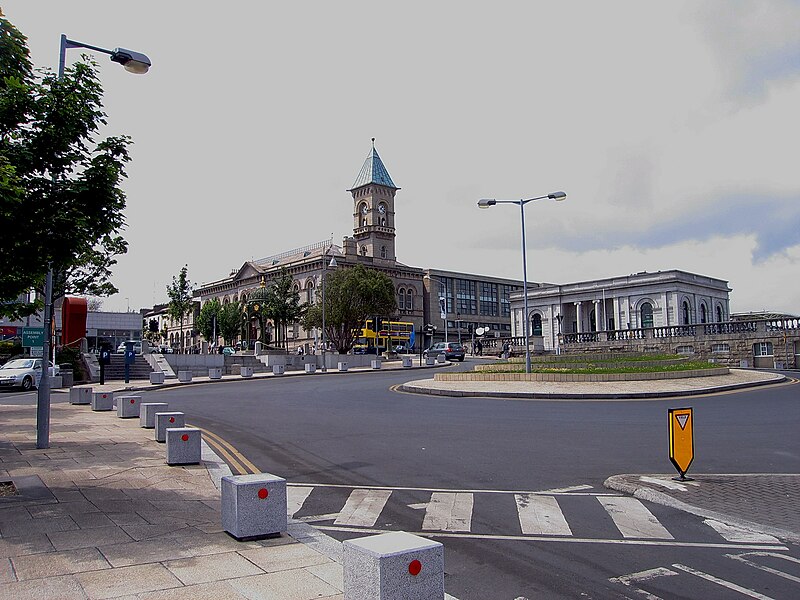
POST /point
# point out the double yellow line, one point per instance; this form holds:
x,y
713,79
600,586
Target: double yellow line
x,y
236,461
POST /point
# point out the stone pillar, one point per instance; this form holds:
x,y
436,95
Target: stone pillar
x,y
598,318
579,316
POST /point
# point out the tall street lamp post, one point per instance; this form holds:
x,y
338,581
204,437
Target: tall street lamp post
x,y
332,265
134,62
487,203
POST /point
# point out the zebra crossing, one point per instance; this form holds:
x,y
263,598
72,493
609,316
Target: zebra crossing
x,y
549,515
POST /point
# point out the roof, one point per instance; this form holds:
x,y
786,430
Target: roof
x,y
374,171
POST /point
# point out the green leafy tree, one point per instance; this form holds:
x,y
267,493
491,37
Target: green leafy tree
x,y
229,322
351,296
283,306
61,203
208,319
180,297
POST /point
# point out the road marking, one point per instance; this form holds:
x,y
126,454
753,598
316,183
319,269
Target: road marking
x,y
633,519
722,582
229,452
295,497
363,507
642,576
448,512
569,540
740,557
472,491
667,483
541,515
738,534
315,518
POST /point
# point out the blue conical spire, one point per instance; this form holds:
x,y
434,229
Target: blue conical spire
x,y
373,171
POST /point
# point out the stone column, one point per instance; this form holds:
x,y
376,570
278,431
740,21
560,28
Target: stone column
x,y
598,325
579,316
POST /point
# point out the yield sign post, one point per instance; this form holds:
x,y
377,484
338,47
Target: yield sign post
x,y
681,440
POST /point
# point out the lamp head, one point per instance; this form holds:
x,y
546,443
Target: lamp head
x,y
134,62
557,196
486,202
333,264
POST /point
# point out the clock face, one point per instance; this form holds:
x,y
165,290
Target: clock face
x,y
382,209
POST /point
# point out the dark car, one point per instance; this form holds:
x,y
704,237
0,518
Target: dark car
x,y
451,350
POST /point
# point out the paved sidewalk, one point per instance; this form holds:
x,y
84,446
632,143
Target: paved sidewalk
x,y
762,502
101,515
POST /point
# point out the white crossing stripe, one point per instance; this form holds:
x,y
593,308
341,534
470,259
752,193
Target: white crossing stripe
x,y
448,512
541,515
633,519
739,534
295,497
721,582
363,507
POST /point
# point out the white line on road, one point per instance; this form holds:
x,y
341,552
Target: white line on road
x,y
448,512
667,483
564,491
541,515
363,507
295,497
741,557
722,582
739,534
633,519
642,576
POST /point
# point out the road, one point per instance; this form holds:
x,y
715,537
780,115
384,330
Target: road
x,y
513,488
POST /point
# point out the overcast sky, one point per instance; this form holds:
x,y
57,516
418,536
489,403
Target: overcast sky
x,y
672,126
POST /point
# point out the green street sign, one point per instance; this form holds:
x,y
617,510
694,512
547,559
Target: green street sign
x,y
32,337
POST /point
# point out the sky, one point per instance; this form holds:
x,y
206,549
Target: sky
x,y
672,126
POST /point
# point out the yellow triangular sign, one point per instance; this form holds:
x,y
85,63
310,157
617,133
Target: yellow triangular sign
x,y
682,419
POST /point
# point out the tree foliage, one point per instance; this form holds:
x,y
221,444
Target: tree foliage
x,y
229,321
283,306
61,203
351,296
180,297
208,320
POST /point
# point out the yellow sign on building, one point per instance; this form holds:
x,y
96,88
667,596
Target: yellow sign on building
x,y
681,439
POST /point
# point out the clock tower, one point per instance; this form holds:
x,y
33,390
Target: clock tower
x,y
373,217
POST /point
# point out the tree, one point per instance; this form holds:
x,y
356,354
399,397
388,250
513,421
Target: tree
x,y
61,203
94,304
351,296
180,297
283,306
229,321
208,319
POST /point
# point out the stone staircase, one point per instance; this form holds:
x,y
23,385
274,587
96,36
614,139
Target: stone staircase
x,y
141,369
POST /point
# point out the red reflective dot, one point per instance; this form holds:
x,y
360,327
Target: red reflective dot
x,y
133,401
185,437
172,419
263,493
415,567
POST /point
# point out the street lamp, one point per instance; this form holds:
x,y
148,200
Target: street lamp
x,y
486,203
332,265
134,62
442,304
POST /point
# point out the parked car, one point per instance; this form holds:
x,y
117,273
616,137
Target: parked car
x,y
137,347
24,373
228,350
451,350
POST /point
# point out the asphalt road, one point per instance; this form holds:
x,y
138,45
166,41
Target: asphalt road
x,y
334,432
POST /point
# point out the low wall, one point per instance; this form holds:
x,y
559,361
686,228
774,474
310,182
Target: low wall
x,y
552,364
198,364
575,377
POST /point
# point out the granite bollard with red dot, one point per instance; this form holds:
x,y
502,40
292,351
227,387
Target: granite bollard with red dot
x,y
80,395
253,506
215,373
102,401
128,406
147,413
183,445
165,420
393,566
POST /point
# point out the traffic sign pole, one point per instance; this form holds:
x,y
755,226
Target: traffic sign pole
x,y
43,389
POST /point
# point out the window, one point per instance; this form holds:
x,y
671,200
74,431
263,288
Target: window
x,y
401,299
537,324
720,348
505,302
409,299
383,251
467,303
684,350
310,292
685,313
488,299
762,349
446,290
703,313
646,315
719,314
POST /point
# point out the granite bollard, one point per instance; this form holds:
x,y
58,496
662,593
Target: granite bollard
x,y
183,445
376,364
441,358
128,406
246,372
165,420
80,395
253,506
311,368
215,373
184,376
278,369
430,361
408,361
157,377
102,401
342,366
393,566
147,413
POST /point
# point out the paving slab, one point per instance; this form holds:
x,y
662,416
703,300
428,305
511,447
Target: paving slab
x,y
112,583
51,564
214,567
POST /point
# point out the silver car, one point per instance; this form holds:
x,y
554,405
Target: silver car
x,y
24,373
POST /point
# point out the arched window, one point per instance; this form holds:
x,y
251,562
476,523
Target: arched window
x,y
685,311
409,299
225,300
719,314
703,313
646,314
537,324
310,292
401,299
383,251
363,250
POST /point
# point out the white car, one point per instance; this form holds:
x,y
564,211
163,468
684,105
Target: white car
x,y
137,347
24,373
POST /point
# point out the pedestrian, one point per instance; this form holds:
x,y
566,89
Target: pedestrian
x,y
506,349
479,347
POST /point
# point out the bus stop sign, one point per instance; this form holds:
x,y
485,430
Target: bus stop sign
x,y
681,440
